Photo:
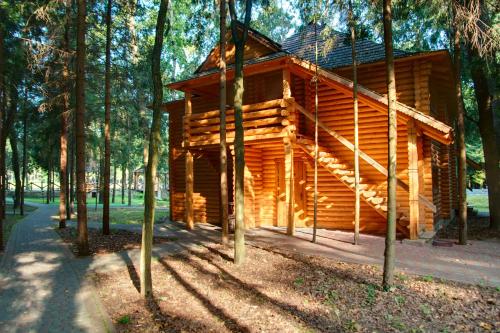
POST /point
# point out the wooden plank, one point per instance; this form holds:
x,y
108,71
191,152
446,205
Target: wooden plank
x,y
289,187
413,180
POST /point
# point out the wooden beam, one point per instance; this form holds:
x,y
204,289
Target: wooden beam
x,y
289,187
189,208
413,193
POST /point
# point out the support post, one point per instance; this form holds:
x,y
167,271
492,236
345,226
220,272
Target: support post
x,y
413,182
189,208
289,187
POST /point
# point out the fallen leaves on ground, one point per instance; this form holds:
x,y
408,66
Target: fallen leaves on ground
x,y
117,240
201,290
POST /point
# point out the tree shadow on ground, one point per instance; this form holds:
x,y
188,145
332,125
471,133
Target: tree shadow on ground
x,y
231,323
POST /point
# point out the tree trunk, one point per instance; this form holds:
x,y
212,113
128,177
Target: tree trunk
x,y
357,205
72,178
124,181
129,183
390,238
63,158
239,146
154,152
487,130
461,153
25,159
107,124
222,106
113,193
81,194
2,115
49,182
16,168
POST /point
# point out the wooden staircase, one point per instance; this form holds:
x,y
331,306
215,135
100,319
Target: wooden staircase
x,y
345,174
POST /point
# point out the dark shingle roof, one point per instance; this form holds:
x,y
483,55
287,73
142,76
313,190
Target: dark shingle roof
x,y
334,52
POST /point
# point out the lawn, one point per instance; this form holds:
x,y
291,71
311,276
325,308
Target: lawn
x,y
478,201
123,215
137,200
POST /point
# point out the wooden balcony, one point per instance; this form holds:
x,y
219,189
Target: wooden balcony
x,y
261,121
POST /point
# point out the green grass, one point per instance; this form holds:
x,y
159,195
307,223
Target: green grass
x,y
479,202
123,215
137,200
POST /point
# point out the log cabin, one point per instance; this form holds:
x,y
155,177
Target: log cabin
x,y
278,112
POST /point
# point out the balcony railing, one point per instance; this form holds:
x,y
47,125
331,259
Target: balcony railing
x,y
266,120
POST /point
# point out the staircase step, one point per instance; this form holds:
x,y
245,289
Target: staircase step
x,y
345,174
376,200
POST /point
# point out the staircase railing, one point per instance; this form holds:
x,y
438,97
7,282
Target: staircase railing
x,y
426,202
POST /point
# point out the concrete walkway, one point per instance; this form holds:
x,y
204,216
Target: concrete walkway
x,y
41,290
477,263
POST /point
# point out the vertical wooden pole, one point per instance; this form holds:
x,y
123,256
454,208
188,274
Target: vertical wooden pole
x,y
357,205
289,177
413,179
316,130
289,184
189,210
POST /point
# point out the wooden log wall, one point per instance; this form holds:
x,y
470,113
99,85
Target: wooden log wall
x,y
335,111
414,87
253,187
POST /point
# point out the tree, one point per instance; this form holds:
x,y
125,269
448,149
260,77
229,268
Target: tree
x,y
63,160
81,191
462,166
222,109
357,205
390,238
239,146
107,124
481,44
154,152
3,98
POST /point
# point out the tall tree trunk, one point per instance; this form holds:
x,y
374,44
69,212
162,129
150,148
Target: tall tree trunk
x,y
154,152
484,100
113,193
357,205
2,115
390,238
222,107
16,168
72,177
53,178
49,174
81,194
124,181
462,157
484,89
25,158
107,124
239,146
129,183
63,157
